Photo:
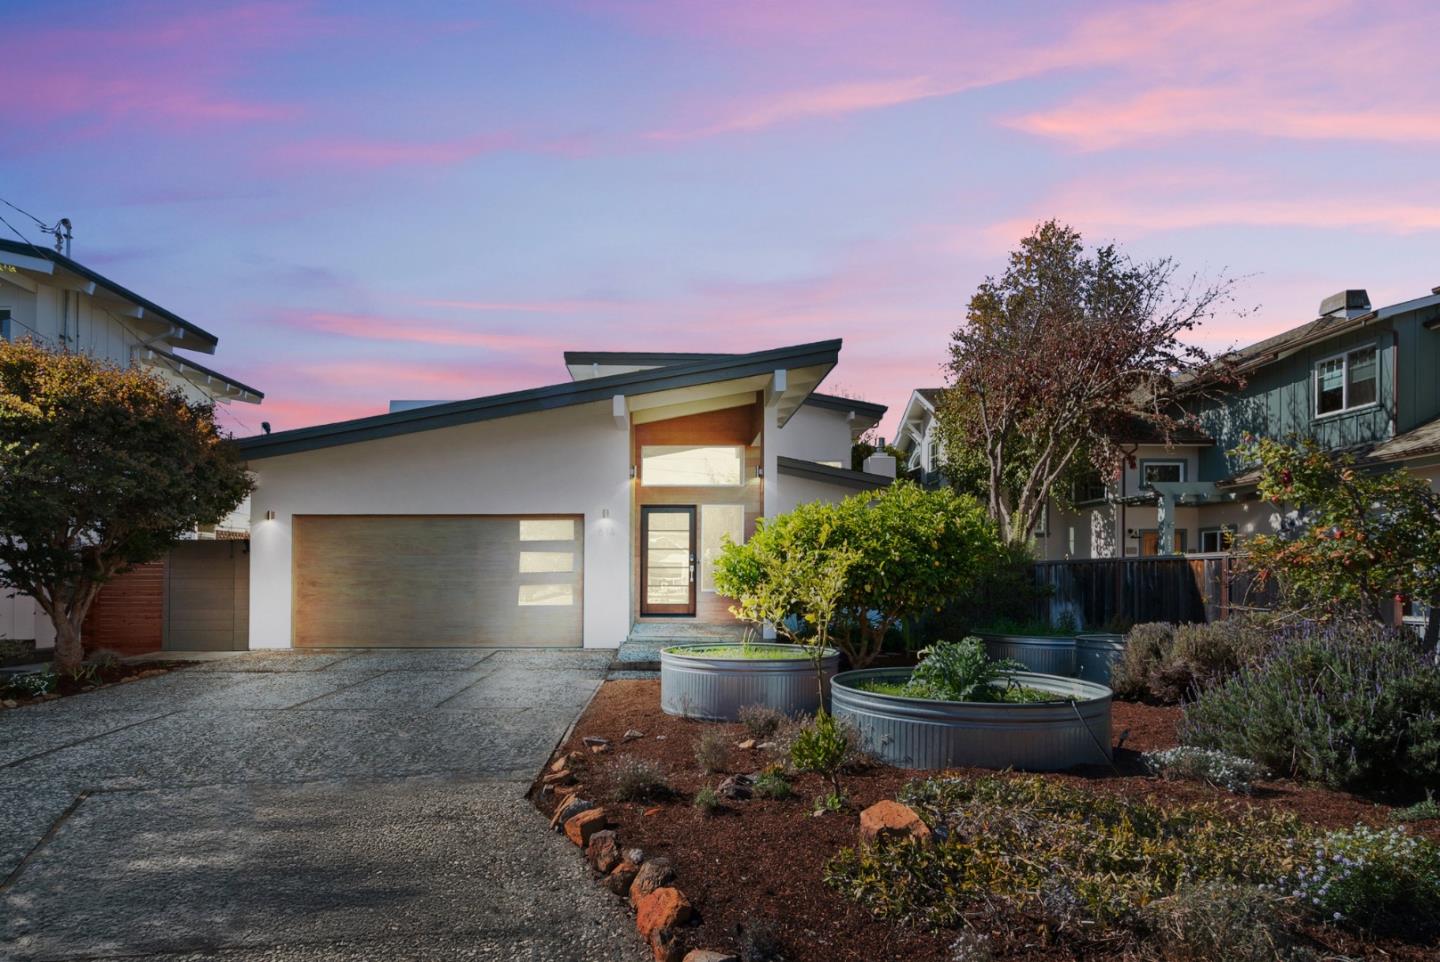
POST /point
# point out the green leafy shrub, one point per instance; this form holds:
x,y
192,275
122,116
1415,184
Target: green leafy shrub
x,y
774,785
1221,921
712,751
1377,878
31,685
760,721
959,671
1350,704
638,780
1168,663
1422,811
1035,848
908,552
707,801
823,746
1221,769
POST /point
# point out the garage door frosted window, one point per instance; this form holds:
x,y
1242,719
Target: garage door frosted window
x,y
546,595
532,562
691,466
547,529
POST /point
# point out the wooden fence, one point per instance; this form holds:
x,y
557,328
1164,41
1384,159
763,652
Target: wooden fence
x,y
1103,591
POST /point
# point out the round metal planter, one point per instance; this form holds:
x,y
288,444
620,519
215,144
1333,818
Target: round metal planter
x,y
716,688
1046,654
934,735
1096,654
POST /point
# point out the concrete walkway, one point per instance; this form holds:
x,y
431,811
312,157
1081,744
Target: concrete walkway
x,y
282,806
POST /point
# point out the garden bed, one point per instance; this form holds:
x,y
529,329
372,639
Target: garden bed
x,y
761,861
64,686
715,681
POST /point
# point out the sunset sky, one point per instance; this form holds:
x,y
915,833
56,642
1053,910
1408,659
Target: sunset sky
x,y
369,201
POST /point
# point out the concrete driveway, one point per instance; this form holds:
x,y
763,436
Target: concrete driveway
x,y
283,806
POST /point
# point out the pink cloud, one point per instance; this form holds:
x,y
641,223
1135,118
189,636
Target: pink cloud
x,y
522,307
422,332
378,154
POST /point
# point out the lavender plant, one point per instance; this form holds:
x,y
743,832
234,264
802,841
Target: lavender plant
x,y
1348,704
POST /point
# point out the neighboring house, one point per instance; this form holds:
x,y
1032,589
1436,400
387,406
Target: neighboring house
x,y
63,304
557,516
1356,379
919,438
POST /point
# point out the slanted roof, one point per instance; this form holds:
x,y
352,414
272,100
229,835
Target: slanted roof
x,y
1420,443
858,480
239,390
46,261
920,406
819,357
836,402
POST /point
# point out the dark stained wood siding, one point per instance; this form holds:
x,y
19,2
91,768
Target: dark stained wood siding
x,y
128,615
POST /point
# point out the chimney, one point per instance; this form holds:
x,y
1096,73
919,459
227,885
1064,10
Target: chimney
x,y
1346,304
879,462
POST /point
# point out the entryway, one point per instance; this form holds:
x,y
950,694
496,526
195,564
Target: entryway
x,y
667,560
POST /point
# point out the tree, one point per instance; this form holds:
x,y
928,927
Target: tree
x,y
913,551
1058,354
1354,538
100,469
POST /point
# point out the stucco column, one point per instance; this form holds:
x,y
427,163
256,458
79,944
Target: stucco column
x,y
770,448
1165,522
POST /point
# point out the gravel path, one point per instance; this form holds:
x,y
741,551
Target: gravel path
x,y
308,807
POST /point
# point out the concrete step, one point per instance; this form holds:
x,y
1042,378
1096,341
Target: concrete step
x,y
641,651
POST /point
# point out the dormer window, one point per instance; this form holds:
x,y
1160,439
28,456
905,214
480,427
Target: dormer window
x,y
1346,381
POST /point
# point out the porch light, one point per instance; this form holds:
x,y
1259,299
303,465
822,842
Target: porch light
x,y
269,515
632,472
759,471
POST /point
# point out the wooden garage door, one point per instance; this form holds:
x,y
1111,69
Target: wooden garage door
x,y
429,581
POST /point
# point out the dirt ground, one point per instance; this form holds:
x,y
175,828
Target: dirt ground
x,y
759,862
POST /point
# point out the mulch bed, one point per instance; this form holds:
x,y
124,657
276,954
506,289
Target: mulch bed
x,y
109,675
760,861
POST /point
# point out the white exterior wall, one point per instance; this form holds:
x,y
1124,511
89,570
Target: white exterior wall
x,y
568,461
817,434
797,491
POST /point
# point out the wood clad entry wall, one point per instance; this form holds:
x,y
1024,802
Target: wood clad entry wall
x,y
429,581
127,616
208,596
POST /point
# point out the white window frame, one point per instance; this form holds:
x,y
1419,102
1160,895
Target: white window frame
x,y
1345,407
1222,529
1148,462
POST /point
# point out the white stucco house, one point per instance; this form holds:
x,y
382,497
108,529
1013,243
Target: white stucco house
x,y
60,302
559,516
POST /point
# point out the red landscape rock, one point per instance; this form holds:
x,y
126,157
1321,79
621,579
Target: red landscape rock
x,y
621,877
655,873
580,828
663,908
710,955
665,944
889,820
603,851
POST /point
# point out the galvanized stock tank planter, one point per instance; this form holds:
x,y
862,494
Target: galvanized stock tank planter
x,y
714,682
1096,654
922,733
1047,654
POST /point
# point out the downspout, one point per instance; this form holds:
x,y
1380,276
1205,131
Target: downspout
x,y
1394,382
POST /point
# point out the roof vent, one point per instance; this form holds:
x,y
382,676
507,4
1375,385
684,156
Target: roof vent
x,y
1350,303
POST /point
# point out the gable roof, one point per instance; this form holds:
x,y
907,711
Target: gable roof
x,y
815,471
648,381
1312,332
200,340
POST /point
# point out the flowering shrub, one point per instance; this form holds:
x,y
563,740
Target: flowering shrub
x,y
1351,704
1221,769
1376,878
1022,850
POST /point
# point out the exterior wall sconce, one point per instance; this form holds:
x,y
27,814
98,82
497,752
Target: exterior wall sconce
x,y
632,472
760,471
605,513
269,515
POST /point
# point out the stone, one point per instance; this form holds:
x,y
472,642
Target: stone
x,y
599,749
580,828
664,908
656,810
590,741
622,876
559,765
603,851
710,955
654,874
745,746
558,778
632,734
768,746
568,809
665,945
890,820
636,855
737,788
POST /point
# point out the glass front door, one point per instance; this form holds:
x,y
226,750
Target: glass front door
x,y
667,560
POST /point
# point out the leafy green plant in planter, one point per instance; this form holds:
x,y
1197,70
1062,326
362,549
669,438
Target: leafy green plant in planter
x,y
959,671
910,551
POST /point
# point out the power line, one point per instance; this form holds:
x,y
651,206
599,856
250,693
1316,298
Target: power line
x,y
38,222
16,230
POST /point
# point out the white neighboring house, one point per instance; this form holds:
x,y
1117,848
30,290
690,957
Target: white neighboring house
x,y
919,438
63,304
560,516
